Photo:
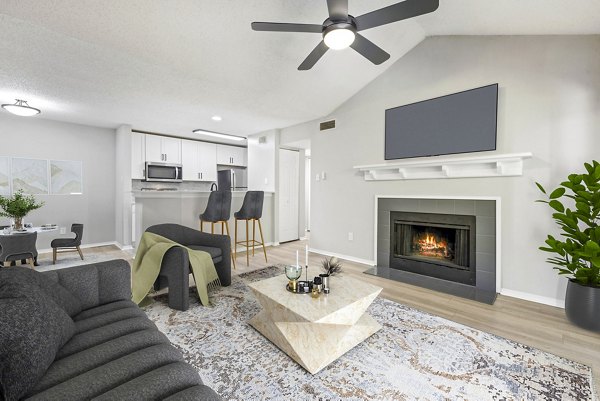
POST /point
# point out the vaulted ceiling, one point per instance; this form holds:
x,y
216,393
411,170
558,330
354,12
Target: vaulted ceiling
x,y
168,66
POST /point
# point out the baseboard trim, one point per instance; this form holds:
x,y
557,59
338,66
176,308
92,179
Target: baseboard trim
x,y
533,298
84,246
340,256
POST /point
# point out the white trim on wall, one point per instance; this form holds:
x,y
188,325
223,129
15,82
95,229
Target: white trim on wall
x,y
559,303
84,246
340,256
498,201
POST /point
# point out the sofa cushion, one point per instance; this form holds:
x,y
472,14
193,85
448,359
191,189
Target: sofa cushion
x,y
113,374
103,319
90,358
59,294
32,329
97,336
109,307
153,385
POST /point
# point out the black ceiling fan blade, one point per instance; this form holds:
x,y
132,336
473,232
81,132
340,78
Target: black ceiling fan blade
x,y
338,10
369,50
313,57
396,12
285,27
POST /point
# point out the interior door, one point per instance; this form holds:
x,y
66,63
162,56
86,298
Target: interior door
x,y
288,194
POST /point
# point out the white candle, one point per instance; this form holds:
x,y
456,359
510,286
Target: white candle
x,y
306,259
297,261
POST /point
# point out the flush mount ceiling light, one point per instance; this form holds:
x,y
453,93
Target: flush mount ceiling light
x,y
216,118
219,135
339,36
21,108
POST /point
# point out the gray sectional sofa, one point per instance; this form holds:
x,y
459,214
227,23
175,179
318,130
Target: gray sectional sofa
x,y
74,334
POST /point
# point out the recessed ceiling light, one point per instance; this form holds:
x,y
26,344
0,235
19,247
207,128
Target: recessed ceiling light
x,y
217,118
21,108
219,135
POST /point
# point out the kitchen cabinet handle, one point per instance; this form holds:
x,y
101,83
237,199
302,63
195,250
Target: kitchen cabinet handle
x,y
165,157
200,175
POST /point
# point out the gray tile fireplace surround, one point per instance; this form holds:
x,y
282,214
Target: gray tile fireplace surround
x,y
485,245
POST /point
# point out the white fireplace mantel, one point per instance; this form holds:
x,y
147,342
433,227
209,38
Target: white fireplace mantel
x,y
496,165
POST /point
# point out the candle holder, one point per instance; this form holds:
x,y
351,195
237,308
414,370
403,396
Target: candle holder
x,y
293,273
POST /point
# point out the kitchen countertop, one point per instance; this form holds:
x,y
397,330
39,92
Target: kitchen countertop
x,y
183,194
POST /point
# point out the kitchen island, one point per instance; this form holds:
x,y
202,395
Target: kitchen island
x,y
184,207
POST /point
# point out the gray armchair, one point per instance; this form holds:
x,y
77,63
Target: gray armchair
x,y
175,268
18,247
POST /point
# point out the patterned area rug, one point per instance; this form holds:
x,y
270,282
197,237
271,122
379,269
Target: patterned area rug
x,y
416,356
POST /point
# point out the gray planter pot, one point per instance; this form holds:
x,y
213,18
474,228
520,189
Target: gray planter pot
x,y
582,305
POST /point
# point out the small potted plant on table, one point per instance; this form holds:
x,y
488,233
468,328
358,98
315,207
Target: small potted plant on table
x,y
18,206
575,208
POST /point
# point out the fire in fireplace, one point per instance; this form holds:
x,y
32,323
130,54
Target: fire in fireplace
x,y
436,245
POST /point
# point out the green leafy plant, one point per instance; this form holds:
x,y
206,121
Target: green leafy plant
x,y
576,210
18,205
331,266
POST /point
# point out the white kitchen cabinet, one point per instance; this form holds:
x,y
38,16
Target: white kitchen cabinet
x,y
163,149
199,160
208,161
231,155
138,155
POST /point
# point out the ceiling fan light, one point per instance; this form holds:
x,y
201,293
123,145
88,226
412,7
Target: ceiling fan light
x,y
21,108
338,39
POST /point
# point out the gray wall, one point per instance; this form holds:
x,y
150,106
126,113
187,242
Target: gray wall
x,y
95,147
549,104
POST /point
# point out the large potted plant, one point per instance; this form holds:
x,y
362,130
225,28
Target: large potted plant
x,y
575,208
18,206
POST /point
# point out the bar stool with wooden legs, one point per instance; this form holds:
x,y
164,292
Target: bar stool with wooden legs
x,y
218,210
251,211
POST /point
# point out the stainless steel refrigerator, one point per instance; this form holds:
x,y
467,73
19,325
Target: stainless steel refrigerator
x,y
232,179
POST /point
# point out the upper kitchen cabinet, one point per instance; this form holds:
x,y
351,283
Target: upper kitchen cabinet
x,y
199,160
231,155
138,155
163,149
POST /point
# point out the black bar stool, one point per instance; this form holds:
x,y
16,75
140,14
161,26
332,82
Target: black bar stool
x,y
251,211
218,210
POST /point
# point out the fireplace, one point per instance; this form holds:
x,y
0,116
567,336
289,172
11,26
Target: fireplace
x,y
435,245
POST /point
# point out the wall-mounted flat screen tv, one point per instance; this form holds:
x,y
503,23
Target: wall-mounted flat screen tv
x,y
459,123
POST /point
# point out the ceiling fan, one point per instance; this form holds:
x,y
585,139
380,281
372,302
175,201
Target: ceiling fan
x,y
341,29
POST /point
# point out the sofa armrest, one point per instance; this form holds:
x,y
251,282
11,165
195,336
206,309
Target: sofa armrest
x,y
96,283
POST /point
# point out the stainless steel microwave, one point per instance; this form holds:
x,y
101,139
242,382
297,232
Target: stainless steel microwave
x,y
164,172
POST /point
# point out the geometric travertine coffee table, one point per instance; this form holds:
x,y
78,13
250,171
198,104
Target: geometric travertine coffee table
x,y
315,331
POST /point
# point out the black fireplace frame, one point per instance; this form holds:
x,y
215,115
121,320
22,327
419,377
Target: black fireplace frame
x,y
438,269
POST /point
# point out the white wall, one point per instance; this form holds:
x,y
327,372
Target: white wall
x,y
262,161
95,147
549,104
123,198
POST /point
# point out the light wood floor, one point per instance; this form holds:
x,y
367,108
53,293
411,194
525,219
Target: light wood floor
x,y
533,324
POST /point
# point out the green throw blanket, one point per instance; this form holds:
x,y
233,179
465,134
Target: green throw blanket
x,y
148,260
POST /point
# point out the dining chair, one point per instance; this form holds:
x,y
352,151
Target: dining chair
x,y
19,246
68,244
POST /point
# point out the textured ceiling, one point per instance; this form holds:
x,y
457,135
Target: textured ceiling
x,y
168,66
